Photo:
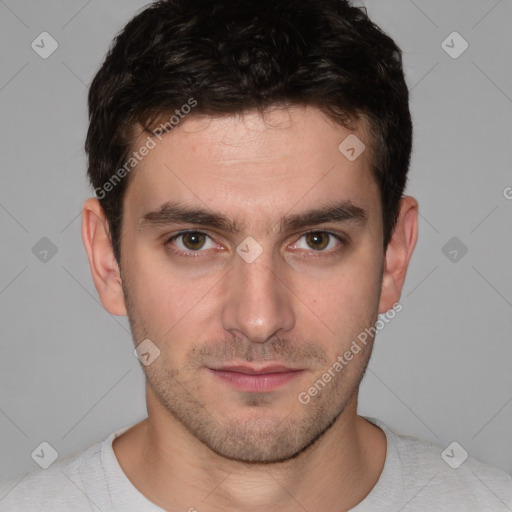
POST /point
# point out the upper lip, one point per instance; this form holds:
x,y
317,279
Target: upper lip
x,y
256,370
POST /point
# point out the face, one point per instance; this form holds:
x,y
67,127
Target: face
x,y
252,299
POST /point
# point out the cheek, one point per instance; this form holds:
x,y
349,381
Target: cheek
x,y
346,299
167,299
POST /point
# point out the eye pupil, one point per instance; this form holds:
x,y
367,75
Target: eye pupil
x,y
193,238
315,237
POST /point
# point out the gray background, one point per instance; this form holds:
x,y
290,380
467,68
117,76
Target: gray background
x,y
440,370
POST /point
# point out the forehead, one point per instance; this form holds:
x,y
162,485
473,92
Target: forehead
x,y
256,164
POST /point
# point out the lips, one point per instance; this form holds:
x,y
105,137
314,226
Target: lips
x,y
251,370
256,378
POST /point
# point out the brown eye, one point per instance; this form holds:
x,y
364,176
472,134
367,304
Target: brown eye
x,y
193,240
190,242
318,240
324,243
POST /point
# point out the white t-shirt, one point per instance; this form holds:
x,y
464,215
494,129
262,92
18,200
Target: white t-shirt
x,y
415,478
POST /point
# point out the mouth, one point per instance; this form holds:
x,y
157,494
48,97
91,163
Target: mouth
x,y
256,378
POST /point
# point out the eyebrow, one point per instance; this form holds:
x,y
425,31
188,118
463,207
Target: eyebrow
x,y
173,212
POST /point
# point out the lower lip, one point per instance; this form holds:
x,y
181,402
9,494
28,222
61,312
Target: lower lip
x,y
256,383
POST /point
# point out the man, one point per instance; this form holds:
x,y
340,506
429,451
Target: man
x,y
249,161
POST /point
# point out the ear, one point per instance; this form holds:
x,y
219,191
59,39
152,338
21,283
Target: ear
x,y
398,253
104,268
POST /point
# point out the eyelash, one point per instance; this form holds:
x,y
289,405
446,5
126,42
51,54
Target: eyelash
x,y
314,254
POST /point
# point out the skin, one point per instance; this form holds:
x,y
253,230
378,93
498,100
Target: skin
x,y
300,303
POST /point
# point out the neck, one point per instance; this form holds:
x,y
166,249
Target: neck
x,y
175,470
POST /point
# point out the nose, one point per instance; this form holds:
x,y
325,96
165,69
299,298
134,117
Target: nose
x,y
258,302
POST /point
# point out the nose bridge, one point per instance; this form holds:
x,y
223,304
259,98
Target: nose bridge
x,y
257,302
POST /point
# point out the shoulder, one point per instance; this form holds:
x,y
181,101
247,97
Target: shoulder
x,y
56,487
449,476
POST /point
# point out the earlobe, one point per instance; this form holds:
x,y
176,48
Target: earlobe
x,y
104,268
398,253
